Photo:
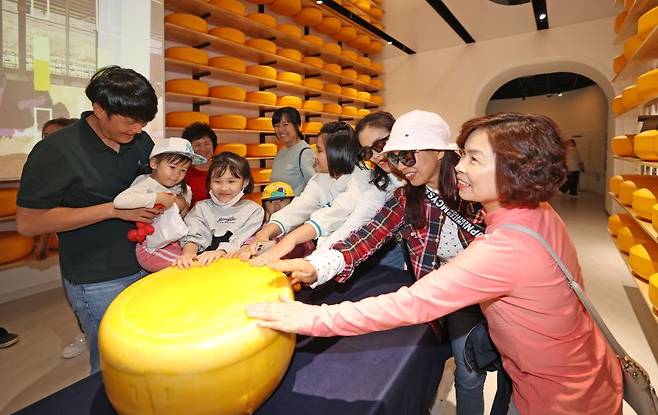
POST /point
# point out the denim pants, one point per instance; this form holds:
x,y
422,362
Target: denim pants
x,y
391,254
469,385
89,302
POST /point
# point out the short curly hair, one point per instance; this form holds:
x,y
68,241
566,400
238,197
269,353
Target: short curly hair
x,y
530,156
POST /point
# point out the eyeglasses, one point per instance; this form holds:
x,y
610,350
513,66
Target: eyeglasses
x,y
406,157
366,153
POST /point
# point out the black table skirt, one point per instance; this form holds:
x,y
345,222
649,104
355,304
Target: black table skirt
x,y
393,372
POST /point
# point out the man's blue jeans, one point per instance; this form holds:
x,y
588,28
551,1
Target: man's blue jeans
x,y
89,302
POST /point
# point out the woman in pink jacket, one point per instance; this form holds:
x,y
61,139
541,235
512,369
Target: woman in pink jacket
x,y
557,359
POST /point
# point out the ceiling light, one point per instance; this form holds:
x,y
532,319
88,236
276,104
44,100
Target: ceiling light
x,y
559,94
318,1
389,43
542,16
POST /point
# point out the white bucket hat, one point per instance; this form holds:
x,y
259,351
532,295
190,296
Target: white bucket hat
x,y
420,130
177,145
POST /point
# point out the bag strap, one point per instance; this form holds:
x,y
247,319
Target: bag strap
x,y
468,226
299,162
614,344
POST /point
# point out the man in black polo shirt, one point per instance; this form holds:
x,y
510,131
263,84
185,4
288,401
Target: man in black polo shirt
x,y
69,182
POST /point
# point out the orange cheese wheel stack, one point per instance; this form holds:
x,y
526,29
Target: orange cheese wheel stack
x,y
260,124
645,145
333,48
622,145
616,222
311,127
187,86
188,21
228,33
313,83
263,18
291,29
261,97
181,119
261,150
630,235
231,92
262,44
236,148
229,63
309,16
234,6
329,25
289,101
289,53
286,7
229,122
187,54
263,71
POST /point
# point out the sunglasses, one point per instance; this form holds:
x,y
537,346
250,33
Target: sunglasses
x,y
406,157
366,153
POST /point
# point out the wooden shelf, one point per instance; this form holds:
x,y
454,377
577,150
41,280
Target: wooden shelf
x,y
222,17
629,25
331,12
10,218
648,50
636,160
223,74
259,158
178,130
647,227
29,261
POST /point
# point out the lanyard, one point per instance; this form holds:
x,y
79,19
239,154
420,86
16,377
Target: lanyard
x,y
454,216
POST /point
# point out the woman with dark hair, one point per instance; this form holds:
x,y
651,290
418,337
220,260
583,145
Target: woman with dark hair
x,y
512,164
204,143
293,164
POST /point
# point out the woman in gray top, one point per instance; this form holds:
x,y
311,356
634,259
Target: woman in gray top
x,y
293,163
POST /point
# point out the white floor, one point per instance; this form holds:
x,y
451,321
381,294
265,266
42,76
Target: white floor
x,y
33,368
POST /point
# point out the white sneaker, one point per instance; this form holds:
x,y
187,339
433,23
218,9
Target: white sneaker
x,y
76,348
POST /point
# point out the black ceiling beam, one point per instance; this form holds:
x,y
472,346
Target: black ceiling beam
x,y
443,11
539,8
375,30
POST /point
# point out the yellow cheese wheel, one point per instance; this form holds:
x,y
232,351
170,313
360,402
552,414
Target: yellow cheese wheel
x,y
14,246
333,67
348,91
643,200
182,324
262,44
260,123
286,7
619,20
360,41
333,48
313,61
293,54
364,60
631,45
313,105
312,127
329,25
376,12
289,101
654,217
626,189
643,259
345,34
261,175
290,77
189,21
228,92
231,122
255,197
653,291
377,67
374,47
187,54
262,71
333,88
629,97
316,40
260,1
645,145
182,119
236,148
262,97
332,108
309,16
313,83
377,83
187,86
647,85
618,105
377,99
613,184
616,222
261,150
234,6
647,22
229,63
630,235
8,202
362,112
363,5
618,63
363,95
349,111
622,146
263,18
365,78
349,54
291,29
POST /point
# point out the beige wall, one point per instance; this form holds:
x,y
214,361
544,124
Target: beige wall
x,y
583,113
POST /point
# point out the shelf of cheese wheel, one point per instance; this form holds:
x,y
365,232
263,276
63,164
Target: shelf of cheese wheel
x,y
261,150
647,85
236,148
229,33
231,92
14,246
617,221
229,63
311,127
630,97
187,20
182,119
645,145
179,341
618,63
648,221
8,202
228,122
618,105
260,124
622,145
261,175
289,101
187,86
262,97
647,22
266,19
643,259
643,201
187,54
629,235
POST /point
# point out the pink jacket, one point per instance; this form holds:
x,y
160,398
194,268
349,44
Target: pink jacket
x,y
558,361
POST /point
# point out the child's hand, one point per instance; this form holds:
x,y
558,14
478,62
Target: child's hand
x,y
243,254
165,199
281,249
185,261
209,257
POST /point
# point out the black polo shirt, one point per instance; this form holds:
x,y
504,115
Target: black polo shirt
x,y
74,168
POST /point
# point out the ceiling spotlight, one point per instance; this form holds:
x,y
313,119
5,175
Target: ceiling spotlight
x,y
542,16
559,94
318,1
389,43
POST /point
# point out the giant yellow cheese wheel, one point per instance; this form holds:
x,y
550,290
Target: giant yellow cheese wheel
x,y
377,67
626,189
619,20
262,71
349,54
333,48
230,122
14,246
313,61
189,21
349,111
229,63
645,145
313,105
630,235
377,83
629,97
286,7
362,112
262,97
616,222
289,53
187,54
329,25
332,108
289,101
618,63
228,92
363,95
309,16
647,22
262,44
348,91
631,45
261,150
290,29
261,175
228,33
622,145
374,47
182,119
345,34
643,200
362,77
187,86
647,85
360,41
290,77
260,123
363,5
316,40
333,67
618,105
376,12
333,88
263,18
377,99
8,202
313,83
171,341
614,183
234,6
236,148
653,291
364,60
643,259
312,127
